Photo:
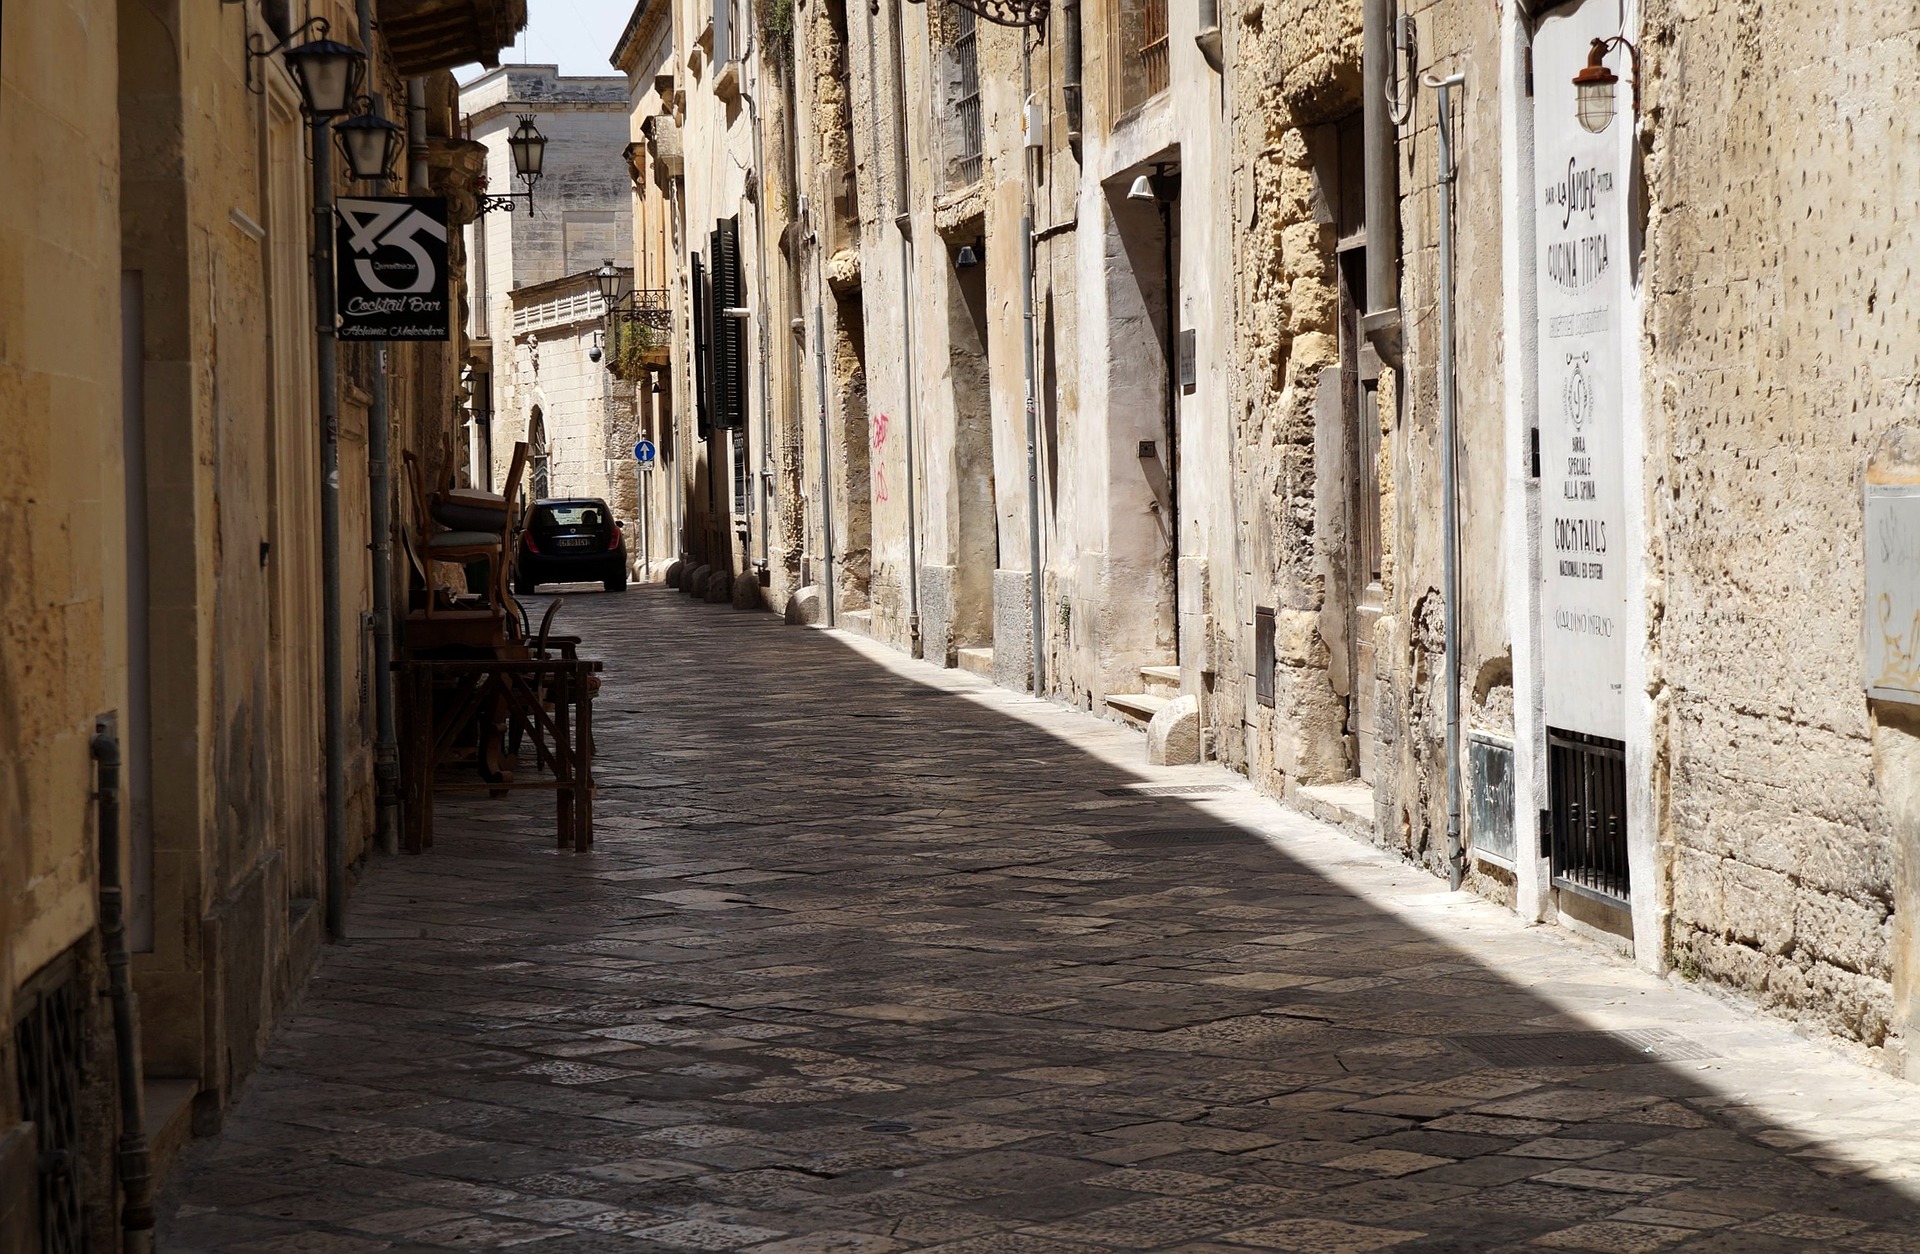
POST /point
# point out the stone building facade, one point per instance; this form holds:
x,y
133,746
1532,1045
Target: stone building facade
x,y
580,418
580,217
1618,684
160,495
656,166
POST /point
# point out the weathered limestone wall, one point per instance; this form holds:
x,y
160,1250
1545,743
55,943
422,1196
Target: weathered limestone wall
x,y
1780,349
584,206
587,414
62,580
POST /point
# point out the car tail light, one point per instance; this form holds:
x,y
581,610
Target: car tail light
x,y
527,538
613,541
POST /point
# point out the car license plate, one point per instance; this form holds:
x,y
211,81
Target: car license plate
x,y
575,542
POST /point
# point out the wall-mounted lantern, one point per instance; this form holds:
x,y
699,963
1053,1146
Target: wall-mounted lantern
x,y
529,149
1593,85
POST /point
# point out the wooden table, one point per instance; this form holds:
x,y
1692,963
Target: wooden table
x,y
545,703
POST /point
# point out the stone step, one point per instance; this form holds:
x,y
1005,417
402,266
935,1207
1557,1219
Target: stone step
x,y
1347,805
168,1105
856,620
1137,708
1162,680
976,661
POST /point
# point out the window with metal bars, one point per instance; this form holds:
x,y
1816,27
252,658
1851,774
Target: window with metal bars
x,y
49,1041
966,100
742,485
1154,51
1139,53
1587,800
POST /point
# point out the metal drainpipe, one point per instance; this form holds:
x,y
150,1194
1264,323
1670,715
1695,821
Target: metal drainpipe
x,y
1035,574
826,468
1379,139
914,645
1449,519
136,1176
332,668
419,182
765,476
386,752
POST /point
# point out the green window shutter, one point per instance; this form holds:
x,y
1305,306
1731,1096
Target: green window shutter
x,y
702,412
729,333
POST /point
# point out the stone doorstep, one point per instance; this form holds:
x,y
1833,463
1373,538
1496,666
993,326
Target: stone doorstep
x,y
976,661
169,1110
1347,805
1136,708
1161,681
858,621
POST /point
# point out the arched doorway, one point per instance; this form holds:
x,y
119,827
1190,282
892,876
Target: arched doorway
x,y
540,485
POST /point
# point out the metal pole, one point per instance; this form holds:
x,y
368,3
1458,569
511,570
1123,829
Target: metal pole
x,y
136,1176
336,727
1449,520
914,645
826,470
386,752
1037,588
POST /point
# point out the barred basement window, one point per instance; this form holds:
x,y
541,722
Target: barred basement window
x,y
49,1041
966,104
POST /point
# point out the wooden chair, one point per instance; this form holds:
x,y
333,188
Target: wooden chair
x,y
461,547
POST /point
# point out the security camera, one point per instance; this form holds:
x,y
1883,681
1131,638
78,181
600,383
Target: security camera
x,y
593,354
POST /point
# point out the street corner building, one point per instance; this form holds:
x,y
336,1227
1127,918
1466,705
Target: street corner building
x,y
1487,427
195,494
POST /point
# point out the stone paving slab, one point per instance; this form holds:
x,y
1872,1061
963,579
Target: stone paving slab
x,y
858,965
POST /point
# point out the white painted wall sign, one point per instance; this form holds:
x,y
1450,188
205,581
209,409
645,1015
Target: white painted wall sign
x,y
1893,591
1581,270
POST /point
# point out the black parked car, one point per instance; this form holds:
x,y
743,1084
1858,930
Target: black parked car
x,y
570,540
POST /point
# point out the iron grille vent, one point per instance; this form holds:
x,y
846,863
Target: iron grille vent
x,y
50,1043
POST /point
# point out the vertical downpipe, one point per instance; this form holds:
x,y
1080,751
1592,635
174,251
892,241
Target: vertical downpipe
x,y
1035,575
386,752
914,645
333,670
1449,511
136,1176
826,470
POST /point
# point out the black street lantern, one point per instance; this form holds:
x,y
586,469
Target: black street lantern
x,y
371,143
529,148
328,72
611,282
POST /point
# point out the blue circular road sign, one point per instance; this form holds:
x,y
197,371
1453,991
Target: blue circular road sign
x,y
643,452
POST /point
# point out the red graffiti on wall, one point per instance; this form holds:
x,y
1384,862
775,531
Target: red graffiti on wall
x,y
877,439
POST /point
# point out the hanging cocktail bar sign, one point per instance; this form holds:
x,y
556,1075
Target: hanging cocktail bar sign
x,y
391,255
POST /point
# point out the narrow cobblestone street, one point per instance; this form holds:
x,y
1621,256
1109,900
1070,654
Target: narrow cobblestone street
x,y
871,956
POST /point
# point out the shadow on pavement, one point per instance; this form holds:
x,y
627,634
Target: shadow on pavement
x,y
859,964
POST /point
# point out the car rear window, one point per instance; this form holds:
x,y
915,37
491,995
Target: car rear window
x,y
568,516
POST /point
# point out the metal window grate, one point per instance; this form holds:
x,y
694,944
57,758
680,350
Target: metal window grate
x,y
742,484
1153,47
966,53
1587,796
50,1043
1263,658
